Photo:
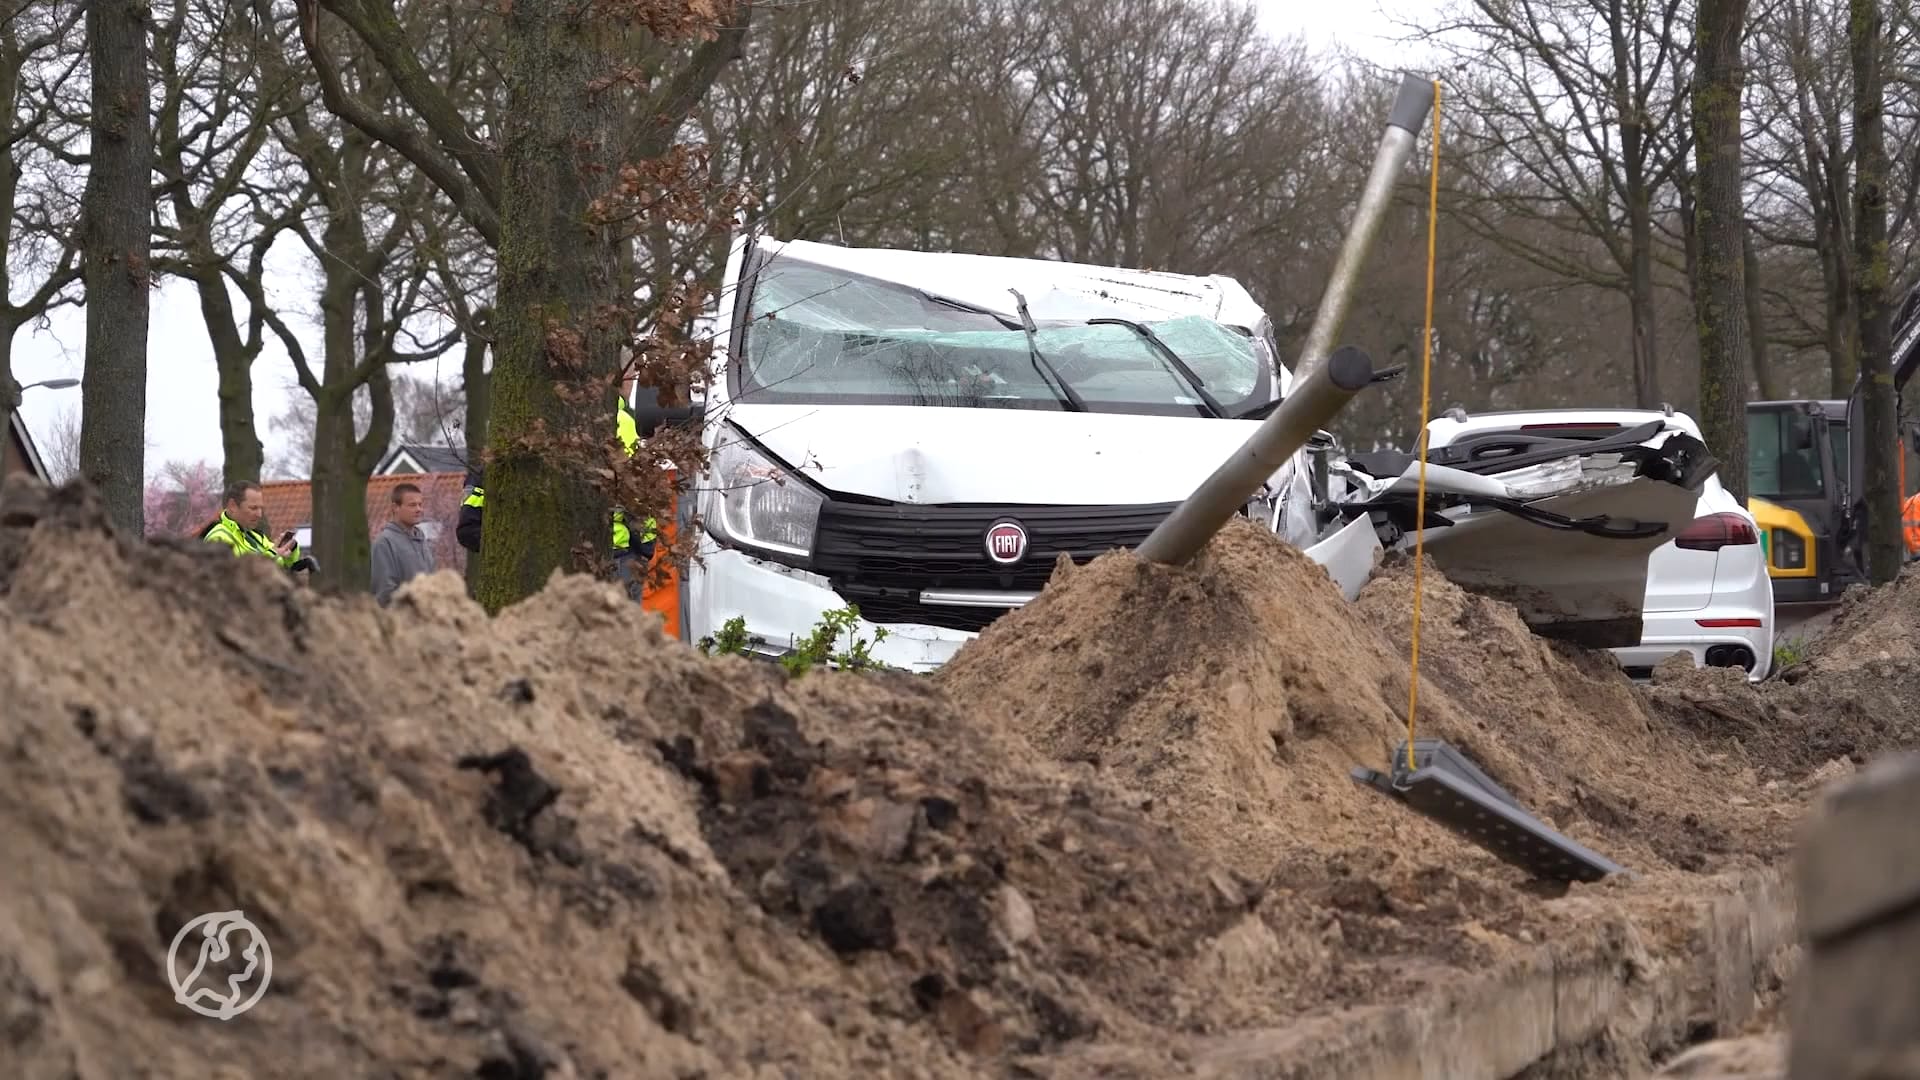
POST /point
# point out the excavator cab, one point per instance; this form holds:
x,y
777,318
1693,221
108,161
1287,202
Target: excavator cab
x,y
1797,468
1806,477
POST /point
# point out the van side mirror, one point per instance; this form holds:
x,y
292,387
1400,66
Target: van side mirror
x,y
649,415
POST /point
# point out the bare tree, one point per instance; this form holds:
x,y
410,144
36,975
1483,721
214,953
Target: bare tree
x,y
1766,377
59,446
1804,159
460,291
37,61
1803,178
116,241
426,412
1145,108
224,85
1880,502
572,96
1579,97
371,316
813,115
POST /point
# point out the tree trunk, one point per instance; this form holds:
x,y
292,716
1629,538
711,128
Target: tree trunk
x,y
1646,358
1766,380
9,395
554,274
1689,229
1836,275
474,383
117,214
473,375
364,456
331,483
1720,301
340,539
1881,498
243,456
10,63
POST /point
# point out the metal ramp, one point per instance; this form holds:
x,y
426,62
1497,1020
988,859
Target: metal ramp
x,y
1451,790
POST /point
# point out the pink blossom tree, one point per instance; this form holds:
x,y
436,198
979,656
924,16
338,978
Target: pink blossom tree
x,y
182,498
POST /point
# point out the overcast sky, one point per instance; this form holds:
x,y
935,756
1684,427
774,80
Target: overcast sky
x,y
183,422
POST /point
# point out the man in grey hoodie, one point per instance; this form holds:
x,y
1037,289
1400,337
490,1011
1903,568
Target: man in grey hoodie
x,y
401,551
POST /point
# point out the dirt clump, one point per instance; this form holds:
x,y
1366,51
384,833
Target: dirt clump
x,y
1849,698
1748,1057
548,844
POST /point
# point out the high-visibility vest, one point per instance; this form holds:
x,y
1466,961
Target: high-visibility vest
x,y
245,541
1910,524
630,438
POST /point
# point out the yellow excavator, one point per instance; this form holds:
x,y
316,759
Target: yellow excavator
x,y
1806,478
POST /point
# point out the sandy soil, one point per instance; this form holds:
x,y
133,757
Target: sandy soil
x,y
557,844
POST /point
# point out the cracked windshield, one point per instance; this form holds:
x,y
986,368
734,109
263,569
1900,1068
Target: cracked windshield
x,y
822,336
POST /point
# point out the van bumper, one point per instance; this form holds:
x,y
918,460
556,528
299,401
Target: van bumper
x,y
781,605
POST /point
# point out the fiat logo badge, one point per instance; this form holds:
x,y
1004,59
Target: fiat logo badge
x,y
1006,542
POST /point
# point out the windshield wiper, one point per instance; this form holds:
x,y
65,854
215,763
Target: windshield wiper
x,y
1041,365
1214,408
961,305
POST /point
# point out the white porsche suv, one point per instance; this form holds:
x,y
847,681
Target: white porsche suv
x,y
1708,593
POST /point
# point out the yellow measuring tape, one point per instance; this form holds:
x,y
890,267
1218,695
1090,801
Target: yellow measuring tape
x,y
1426,391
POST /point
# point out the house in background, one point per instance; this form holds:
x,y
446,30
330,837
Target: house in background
x,y
420,458
22,455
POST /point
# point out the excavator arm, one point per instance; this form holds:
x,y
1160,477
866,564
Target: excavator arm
x,y
1906,340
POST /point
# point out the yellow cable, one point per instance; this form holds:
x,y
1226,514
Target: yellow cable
x,y
1426,390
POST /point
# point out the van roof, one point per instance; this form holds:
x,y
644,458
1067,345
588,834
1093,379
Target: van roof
x,y
1053,289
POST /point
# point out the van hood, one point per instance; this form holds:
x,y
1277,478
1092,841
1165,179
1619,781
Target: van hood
x,y
930,454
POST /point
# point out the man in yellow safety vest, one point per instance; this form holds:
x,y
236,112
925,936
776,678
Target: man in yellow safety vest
x,y
238,527
630,558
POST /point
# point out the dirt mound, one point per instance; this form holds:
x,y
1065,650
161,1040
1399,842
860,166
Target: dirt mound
x,y
1192,686
1238,693
1241,691
550,844
556,844
1851,697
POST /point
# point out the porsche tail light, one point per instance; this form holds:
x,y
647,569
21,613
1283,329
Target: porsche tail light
x,y
1715,531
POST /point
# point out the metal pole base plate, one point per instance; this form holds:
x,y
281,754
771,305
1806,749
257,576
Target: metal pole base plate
x,y
1446,787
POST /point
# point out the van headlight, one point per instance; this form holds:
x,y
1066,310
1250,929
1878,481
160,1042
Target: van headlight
x,y
754,502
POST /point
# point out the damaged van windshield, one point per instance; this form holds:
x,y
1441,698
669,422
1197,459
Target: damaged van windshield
x,y
820,336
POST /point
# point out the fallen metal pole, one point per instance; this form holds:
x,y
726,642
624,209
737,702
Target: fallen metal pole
x,y
1322,388
1410,111
1307,409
